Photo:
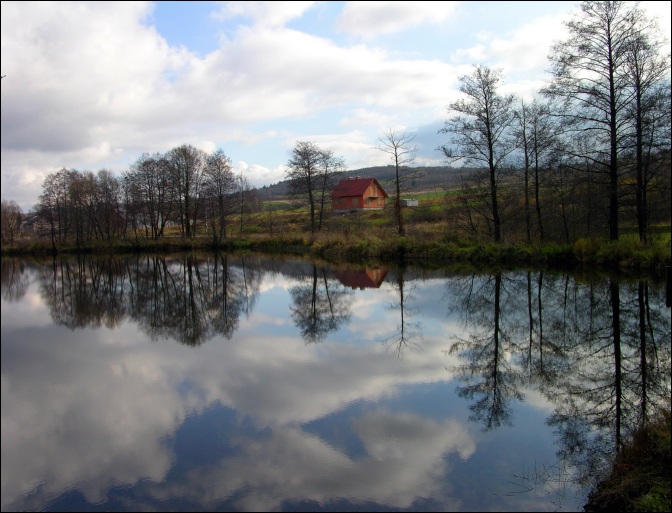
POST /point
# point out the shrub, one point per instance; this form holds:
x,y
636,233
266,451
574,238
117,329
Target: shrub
x,y
586,249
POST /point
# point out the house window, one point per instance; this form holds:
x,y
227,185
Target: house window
x,y
355,202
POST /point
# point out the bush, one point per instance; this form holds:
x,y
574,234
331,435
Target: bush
x,y
586,249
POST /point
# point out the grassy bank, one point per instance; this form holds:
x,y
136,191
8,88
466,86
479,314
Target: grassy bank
x,y
625,255
641,475
430,239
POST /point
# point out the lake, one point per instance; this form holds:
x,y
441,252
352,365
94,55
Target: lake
x,y
252,383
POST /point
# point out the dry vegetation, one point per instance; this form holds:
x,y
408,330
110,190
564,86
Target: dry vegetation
x,y
435,235
641,474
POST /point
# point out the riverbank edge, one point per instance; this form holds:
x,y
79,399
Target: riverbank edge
x,y
624,256
641,473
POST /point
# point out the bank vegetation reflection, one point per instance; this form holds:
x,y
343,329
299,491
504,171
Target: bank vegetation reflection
x,y
187,298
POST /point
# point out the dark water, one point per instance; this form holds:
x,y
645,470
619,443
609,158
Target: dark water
x,y
253,384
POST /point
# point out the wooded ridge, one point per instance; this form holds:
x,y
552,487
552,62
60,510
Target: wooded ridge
x,y
439,178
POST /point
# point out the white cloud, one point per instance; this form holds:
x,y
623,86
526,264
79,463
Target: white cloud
x,y
112,87
521,55
259,175
399,466
365,117
93,85
267,14
369,19
119,436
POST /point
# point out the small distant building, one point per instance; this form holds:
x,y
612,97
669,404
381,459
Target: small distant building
x,y
409,203
35,225
358,194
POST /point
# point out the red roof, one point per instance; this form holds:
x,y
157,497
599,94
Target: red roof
x,y
355,187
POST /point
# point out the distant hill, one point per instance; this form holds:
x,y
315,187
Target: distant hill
x,y
424,179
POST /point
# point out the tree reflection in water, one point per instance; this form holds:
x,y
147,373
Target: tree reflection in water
x,y
489,376
181,297
408,332
13,279
620,370
319,305
597,350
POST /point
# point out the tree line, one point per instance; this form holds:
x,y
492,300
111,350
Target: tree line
x,y
595,140
591,147
185,187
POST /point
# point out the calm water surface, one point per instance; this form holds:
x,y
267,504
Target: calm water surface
x,y
246,383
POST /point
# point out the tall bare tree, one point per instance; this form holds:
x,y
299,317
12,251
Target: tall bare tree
x,y
522,133
108,205
481,131
54,204
331,166
10,221
588,80
646,70
304,170
150,186
186,165
246,198
537,135
399,146
219,184
83,205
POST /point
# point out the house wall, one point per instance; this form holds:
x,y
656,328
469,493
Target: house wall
x,y
374,203
373,197
341,204
358,203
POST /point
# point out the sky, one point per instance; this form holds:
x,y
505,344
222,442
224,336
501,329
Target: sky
x,y
94,85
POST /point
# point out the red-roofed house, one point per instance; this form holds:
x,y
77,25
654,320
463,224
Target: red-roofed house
x,y
358,194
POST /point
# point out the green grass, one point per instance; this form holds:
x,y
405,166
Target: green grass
x,y
659,233
276,205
